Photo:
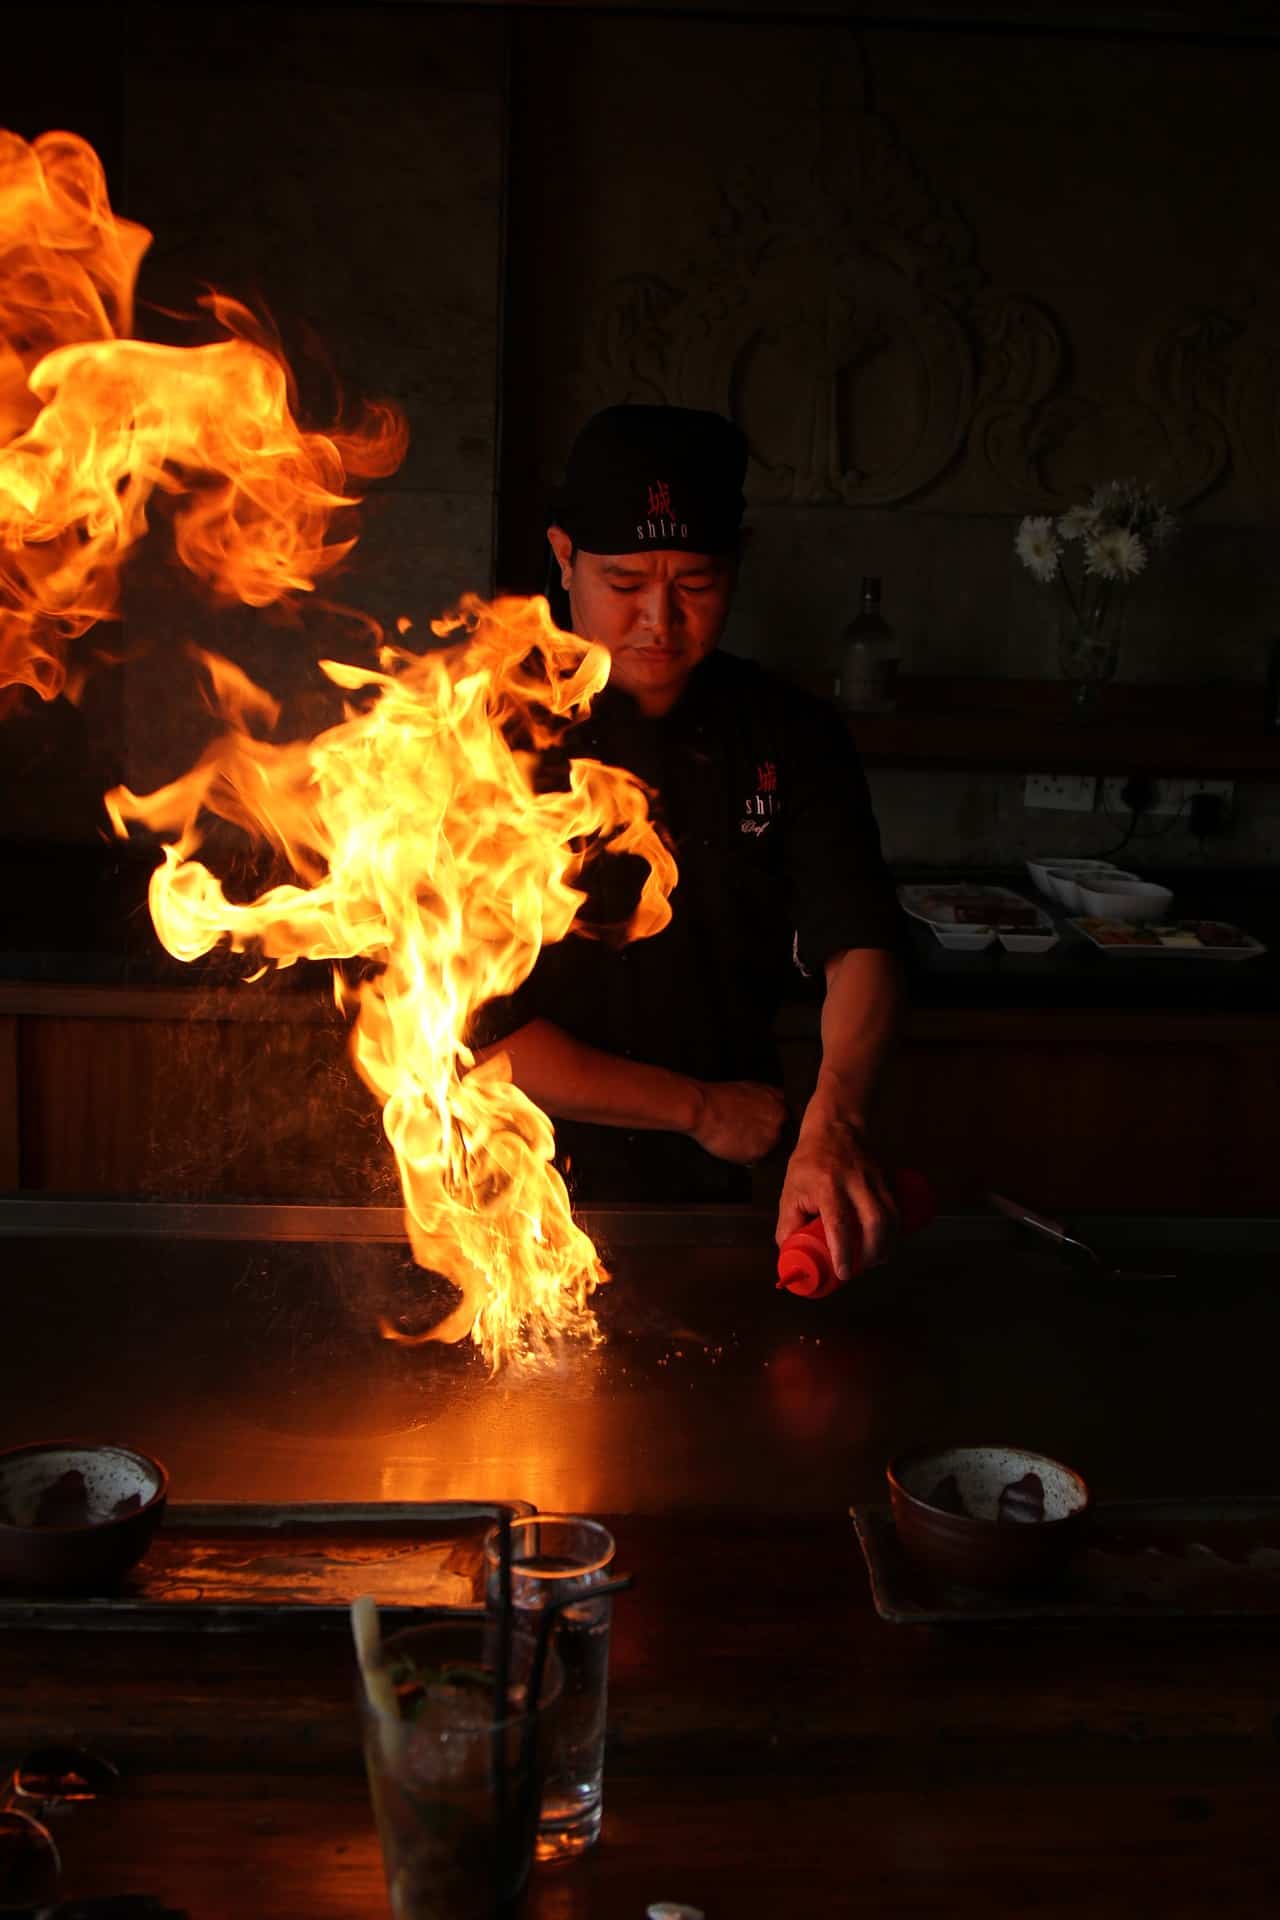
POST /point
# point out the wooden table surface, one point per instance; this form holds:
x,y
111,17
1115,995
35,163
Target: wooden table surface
x,y
775,1748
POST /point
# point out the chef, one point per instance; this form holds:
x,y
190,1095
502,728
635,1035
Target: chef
x,y
657,1059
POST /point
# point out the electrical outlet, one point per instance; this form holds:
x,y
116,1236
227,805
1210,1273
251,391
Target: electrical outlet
x,y
1171,796
1060,792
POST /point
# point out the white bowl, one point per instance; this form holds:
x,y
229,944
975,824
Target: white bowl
x,y
1062,888
1122,897
1076,863
1041,870
1067,884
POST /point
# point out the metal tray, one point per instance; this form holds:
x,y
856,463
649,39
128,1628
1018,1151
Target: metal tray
x,y
217,1566
1146,1559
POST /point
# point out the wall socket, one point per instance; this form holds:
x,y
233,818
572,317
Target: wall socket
x,y
1171,796
1061,792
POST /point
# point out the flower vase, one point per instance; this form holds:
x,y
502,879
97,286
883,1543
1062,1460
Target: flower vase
x,y
1089,634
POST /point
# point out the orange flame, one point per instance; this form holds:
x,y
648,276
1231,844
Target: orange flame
x,y
93,423
420,843
418,838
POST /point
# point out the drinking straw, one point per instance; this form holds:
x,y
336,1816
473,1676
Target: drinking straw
x,y
378,1689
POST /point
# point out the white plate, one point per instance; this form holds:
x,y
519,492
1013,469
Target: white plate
x,y
1248,952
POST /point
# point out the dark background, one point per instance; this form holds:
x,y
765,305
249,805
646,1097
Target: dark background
x,y
947,265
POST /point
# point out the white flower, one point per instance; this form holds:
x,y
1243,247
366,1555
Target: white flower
x,y
1037,546
1116,555
1078,523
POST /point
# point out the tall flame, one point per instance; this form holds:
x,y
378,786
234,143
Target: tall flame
x,y
422,838
93,423
421,843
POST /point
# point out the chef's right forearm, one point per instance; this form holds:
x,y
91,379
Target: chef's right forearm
x,y
572,1081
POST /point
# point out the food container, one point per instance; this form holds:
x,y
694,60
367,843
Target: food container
x,y
964,939
1038,942
1041,869
1118,896
75,1515
967,917
1184,939
1067,884
991,1516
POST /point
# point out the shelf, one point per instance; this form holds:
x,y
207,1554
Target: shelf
x,y
1008,743
1028,726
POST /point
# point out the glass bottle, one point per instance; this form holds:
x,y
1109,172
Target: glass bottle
x,y
869,665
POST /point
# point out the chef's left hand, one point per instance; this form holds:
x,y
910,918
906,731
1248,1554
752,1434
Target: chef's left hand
x,y
834,1173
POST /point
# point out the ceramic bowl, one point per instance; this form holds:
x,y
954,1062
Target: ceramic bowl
x,y
1115,896
987,1516
75,1516
1067,884
1040,871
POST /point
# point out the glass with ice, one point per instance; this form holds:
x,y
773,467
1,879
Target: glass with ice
x,y
455,1785
554,1555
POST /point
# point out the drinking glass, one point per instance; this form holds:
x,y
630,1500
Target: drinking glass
x,y
50,1781
554,1555
455,1782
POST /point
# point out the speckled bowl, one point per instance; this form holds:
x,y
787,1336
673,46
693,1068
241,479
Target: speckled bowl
x,y
60,1534
987,1516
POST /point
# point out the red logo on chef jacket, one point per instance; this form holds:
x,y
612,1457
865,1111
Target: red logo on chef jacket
x,y
762,805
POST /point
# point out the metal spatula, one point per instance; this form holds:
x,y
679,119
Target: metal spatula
x,y
1077,1251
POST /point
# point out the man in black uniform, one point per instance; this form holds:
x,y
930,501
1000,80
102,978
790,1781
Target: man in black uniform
x,y
656,1060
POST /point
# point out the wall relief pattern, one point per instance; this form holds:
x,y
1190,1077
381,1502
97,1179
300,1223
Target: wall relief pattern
x,y
1252,384
838,311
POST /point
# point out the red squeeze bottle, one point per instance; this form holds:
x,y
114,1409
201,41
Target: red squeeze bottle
x,y
804,1258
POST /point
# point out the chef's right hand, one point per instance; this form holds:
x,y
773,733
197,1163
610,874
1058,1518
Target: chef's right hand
x,y
738,1120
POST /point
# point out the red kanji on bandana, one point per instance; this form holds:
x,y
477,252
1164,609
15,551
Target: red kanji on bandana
x,y
660,499
767,777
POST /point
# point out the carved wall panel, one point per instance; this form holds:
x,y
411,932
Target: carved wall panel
x,y
841,311
941,280
827,314
1252,396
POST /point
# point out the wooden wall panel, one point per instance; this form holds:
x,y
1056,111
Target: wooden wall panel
x,y
1080,1111
10,1151
1065,1110
197,1109
1065,1120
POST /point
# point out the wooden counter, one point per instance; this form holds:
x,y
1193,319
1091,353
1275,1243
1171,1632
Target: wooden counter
x,y
775,1748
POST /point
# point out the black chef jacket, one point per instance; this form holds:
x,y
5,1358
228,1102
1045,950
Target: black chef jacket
x,y
763,798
